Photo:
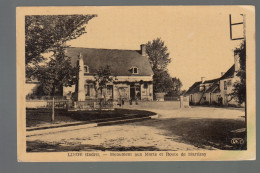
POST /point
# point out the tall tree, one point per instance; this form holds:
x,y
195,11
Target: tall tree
x,y
158,54
162,81
239,90
55,74
49,34
159,59
43,32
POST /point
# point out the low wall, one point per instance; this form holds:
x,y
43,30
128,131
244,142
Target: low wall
x,y
163,105
48,104
37,104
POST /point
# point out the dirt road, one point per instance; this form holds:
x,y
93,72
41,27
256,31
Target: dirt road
x,y
181,129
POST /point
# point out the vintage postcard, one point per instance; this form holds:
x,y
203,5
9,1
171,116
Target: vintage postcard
x,y
139,83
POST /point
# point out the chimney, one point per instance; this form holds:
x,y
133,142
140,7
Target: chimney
x,y
203,79
222,73
143,49
236,62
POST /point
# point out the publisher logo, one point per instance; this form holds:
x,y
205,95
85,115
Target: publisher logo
x,y
236,141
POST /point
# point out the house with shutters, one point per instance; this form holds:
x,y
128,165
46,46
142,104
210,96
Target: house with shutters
x,y
216,91
130,69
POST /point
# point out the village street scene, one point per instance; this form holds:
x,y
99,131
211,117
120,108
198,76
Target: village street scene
x,y
107,82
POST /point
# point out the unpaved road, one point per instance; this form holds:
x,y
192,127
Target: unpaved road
x,y
181,129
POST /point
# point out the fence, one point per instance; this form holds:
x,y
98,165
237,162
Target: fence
x,y
90,104
94,104
168,98
60,104
44,98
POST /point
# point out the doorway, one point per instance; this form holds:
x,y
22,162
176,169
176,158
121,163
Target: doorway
x,y
135,92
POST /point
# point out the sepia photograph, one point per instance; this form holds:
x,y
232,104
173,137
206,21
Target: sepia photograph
x,y
141,83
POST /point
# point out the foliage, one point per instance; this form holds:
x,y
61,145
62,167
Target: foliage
x,y
162,81
159,59
49,34
55,74
158,54
239,90
176,87
43,32
102,77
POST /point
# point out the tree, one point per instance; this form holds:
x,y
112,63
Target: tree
x,y
239,90
57,73
162,81
102,77
49,34
159,59
43,32
176,87
158,54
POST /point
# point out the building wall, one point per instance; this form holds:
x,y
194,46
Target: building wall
x,y
226,89
120,91
195,98
147,92
212,98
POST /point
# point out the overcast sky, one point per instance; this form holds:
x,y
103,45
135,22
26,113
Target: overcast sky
x,y
197,38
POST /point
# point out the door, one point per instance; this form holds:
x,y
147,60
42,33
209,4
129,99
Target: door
x,y
132,92
110,94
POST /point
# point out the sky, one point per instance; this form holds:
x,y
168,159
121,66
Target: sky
x,y
198,38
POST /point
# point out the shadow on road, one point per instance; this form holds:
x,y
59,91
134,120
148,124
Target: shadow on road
x,y
39,146
202,132
36,117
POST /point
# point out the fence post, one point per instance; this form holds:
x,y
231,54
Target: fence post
x,y
52,116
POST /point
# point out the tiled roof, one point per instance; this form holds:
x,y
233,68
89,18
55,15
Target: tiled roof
x,y
214,88
211,81
229,73
120,61
195,88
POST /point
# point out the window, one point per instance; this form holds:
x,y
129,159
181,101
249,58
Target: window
x,y
225,85
134,70
87,90
86,69
110,91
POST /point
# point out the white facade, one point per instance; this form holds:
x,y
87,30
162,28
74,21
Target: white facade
x,y
122,87
226,88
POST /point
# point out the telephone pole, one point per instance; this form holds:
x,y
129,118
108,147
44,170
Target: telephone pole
x,y
242,38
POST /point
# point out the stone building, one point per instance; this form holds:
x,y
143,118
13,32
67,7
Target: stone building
x,y
216,91
130,69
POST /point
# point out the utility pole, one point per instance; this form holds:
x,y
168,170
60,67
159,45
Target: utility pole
x,y
242,38
239,23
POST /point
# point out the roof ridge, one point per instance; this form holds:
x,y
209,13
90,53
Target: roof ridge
x,y
208,80
104,48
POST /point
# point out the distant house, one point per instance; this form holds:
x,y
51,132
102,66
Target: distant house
x,y
131,71
204,91
215,91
